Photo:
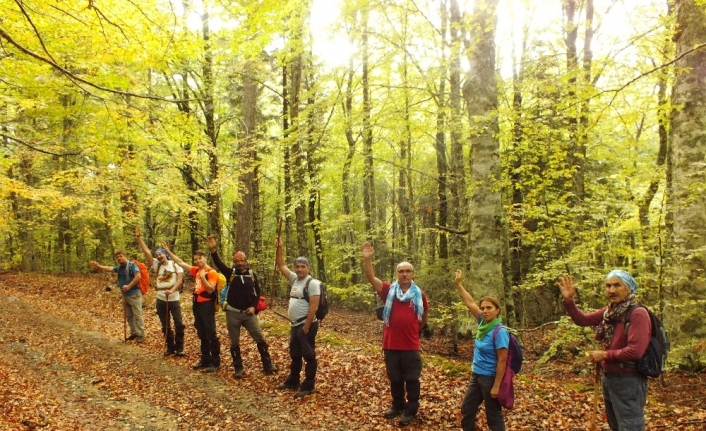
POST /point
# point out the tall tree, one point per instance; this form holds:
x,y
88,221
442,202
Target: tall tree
x,y
488,239
688,136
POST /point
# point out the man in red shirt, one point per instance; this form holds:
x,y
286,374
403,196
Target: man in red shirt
x,y
624,387
404,315
204,308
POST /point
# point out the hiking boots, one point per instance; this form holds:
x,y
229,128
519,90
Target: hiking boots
x,y
238,373
212,369
287,385
131,337
180,352
200,365
391,413
301,393
270,368
405,420
169,352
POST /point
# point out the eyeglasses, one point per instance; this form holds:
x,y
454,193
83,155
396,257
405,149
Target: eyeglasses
x,y
405,271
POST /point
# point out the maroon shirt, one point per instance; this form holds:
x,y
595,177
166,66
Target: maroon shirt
x,y
403,332
623,347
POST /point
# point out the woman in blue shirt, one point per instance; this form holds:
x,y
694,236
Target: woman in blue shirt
x,y
489,358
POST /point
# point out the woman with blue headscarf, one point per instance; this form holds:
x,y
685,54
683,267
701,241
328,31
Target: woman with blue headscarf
x,y
624,387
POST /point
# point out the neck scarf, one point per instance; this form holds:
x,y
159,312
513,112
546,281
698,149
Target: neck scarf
x,y
413,295
611,316
484,328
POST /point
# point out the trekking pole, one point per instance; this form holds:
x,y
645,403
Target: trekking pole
x,y
166,325
274,273
122,302
595,396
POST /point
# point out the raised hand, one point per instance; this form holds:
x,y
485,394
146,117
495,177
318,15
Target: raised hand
x,y
368,250
212,242
566,287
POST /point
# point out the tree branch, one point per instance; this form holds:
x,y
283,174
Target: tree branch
x,y
74,77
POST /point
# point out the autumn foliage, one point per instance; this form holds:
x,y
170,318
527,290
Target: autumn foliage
x,y
64,366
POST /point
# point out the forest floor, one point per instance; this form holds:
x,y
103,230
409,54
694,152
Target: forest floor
x,y
64,366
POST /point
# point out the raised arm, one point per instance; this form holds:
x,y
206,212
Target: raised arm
x,y
368,252
96,265
143,247
176,258
279,260
465,296
213,248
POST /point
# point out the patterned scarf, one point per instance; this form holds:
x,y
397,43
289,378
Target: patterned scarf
x,y
611,316
413,295
484,328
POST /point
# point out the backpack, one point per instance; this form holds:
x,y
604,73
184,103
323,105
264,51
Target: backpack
x,y
144,276
506,395
220,284
514,351
322,311
653,361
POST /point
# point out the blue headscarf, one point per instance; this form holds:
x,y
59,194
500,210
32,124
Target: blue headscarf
x,y
625,277
164,252
413,296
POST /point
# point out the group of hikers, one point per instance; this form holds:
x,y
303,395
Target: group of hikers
x,y
404,314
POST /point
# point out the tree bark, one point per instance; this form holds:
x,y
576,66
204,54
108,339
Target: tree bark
x,y
688,134
488,239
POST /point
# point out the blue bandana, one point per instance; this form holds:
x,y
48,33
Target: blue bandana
x,y
625,277
413,295
164,252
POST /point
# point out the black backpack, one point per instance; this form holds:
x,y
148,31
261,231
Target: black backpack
x,y
653,361
322,311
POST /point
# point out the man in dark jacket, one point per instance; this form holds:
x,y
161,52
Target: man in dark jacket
x,y
240,305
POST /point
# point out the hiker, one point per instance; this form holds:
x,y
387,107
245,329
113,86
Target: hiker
x,y
624,387
129,283
404,315
240,305
169,280
304,325
489,360
204,308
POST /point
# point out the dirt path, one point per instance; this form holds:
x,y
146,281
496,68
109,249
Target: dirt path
x,y
64,366
53,359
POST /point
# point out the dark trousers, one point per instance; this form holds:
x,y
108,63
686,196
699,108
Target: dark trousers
x,y
404,368
175,337
478,391
205,323
302,347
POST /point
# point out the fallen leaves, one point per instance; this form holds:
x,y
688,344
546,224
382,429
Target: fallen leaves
x,y
63,366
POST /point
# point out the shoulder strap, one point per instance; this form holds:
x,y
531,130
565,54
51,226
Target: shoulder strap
x,y
495,333
306,288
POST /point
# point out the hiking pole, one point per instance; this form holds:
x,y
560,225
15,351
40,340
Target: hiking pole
x,y
595,396
166,325
274,273
122,301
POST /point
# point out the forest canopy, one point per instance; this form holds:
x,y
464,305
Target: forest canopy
x,y
516,140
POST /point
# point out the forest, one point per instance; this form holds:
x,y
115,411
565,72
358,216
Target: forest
x,y
516,140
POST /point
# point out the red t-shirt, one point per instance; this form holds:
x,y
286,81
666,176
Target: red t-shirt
x,y
403,332
211,276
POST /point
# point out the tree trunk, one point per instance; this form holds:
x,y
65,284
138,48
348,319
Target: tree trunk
x,y
689,152
213,195
368,172
246,157
456,176
488,239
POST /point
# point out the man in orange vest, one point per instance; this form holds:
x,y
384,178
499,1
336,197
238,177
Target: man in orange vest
x,y
204,308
